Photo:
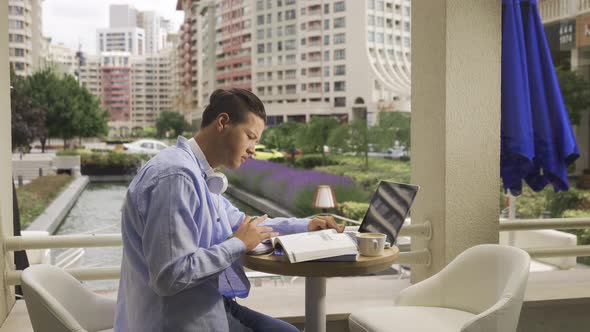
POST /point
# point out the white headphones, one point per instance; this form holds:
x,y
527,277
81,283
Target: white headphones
x,y
216,181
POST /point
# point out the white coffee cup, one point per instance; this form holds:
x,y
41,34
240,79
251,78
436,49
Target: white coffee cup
x,y
371,244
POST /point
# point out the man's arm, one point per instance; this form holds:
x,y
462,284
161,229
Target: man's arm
x,y
283,226
170,240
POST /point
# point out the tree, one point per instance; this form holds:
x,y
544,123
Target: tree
x,y
576,93
359,136
392,127
171,121
27,122
282,136
315,135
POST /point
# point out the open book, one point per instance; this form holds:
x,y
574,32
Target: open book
x,y
309,246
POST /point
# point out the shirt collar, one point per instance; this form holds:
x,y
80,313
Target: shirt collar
x,y
196,149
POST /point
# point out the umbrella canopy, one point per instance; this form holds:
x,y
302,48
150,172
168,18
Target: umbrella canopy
x,y
537,141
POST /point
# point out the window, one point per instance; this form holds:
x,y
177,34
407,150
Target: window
x,y
340,101
260,33
371,4
303,57
260,48
303,10
340,54
268,18
279,46
339,38
326,40
260,19
290,30
339,23
260,5
290,45
269,33
302,41
339,7
379,37
326,55
302,26
339,70
371,20
326,24
279,17
327,71
371,36
380,5
303,71
290,14
290,2
326,86
303,87
379,21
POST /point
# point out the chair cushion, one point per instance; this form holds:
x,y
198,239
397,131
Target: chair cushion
x,y
415,319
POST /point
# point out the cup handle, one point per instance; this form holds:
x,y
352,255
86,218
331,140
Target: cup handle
x,y
375,244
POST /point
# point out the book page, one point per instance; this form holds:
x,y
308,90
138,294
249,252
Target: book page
x,y
313,245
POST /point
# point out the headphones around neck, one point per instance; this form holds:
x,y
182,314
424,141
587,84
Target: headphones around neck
x,y
216,181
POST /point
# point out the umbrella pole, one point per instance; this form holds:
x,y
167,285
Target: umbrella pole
x,y
511,216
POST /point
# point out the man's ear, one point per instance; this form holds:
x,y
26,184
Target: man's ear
x,y
222,121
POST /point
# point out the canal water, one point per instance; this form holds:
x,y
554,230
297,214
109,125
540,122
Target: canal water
x,y
98,210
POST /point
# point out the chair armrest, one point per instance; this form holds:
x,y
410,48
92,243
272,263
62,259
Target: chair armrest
x,y
424,293
103,313
491,319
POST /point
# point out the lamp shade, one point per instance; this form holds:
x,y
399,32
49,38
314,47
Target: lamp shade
x,y
324,198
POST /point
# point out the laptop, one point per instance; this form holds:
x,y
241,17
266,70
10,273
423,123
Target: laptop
x,y
389,207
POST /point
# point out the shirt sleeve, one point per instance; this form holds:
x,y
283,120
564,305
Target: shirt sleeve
x,y
282,225
170,240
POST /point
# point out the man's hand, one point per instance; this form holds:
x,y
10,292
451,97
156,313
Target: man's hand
x,y
251,234
324,222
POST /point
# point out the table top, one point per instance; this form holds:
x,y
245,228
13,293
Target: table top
x,y
364,265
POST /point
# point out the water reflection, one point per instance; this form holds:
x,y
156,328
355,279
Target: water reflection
x,y
98,210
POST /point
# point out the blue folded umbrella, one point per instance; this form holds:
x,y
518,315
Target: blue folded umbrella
x,y
537,141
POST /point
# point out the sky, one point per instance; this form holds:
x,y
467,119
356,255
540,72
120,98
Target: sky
x,y
71,22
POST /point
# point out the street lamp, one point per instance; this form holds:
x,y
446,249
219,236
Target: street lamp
x,y
324,198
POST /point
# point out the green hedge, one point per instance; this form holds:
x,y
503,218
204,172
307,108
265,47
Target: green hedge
x,y
312,160
353,210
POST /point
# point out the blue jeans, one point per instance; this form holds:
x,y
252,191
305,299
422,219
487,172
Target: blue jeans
x,y
243,319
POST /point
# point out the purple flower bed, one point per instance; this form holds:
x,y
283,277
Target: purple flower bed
x,y
289,187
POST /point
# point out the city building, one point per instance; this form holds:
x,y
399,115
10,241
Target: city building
x,y
125,39
134,89
25,37
60,58
333,57
156,30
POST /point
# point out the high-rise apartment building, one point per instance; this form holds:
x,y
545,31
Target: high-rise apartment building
x,y
302,58
156,30
134,89
126,39
24,35
60,58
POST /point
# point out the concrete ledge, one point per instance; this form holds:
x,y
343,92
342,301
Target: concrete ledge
x,y
111,178
259,203
55,213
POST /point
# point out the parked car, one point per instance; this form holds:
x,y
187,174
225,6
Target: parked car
x,y
147,146
397,152
263,153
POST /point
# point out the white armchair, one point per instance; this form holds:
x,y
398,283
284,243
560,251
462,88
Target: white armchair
x,y
481,290
57,302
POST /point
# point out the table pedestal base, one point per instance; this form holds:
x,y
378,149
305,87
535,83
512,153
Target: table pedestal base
x,y
315,304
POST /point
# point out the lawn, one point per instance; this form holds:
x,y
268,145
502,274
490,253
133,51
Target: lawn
x,y
34,197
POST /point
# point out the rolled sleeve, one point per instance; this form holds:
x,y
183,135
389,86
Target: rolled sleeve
x,y
287,225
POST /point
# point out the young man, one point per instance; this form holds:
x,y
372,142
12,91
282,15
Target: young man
x,y
182,240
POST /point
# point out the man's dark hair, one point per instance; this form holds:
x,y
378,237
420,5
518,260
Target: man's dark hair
x,y
236,103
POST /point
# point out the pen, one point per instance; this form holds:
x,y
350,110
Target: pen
x,y
251,220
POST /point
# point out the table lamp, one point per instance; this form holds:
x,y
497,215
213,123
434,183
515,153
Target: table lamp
x,y
324,198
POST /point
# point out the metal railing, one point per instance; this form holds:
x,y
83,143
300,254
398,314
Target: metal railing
x,y
424,230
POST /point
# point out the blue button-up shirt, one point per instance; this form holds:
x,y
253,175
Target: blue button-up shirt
x,y
177,259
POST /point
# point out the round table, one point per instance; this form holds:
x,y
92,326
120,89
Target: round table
x,y
315,274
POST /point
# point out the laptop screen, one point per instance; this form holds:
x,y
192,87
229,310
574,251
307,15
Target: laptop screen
x,y
388,209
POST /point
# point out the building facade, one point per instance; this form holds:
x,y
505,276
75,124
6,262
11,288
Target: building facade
x,y
25,36
302,58
126,39
134,89
567,29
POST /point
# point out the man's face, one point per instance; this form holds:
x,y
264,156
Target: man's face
x,y
239,140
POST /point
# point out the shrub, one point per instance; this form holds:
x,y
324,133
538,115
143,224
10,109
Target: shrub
x,y
353,210
289,187
312,160
113,162
279,160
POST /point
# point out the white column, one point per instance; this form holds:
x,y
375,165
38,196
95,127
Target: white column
x,y
6,262
456,55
